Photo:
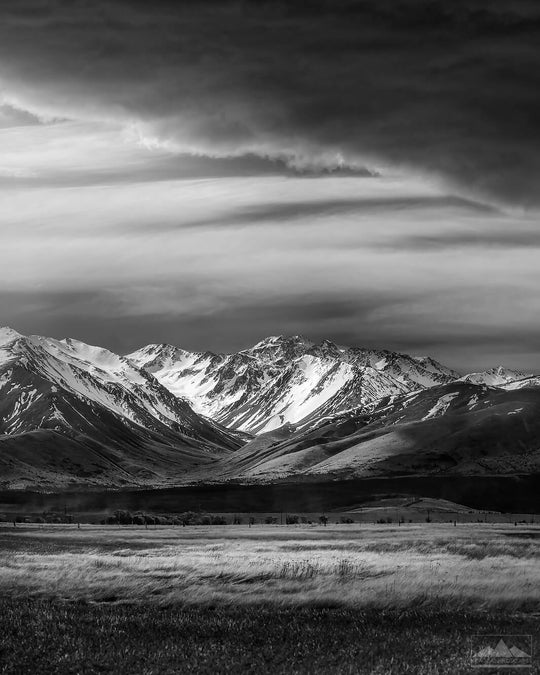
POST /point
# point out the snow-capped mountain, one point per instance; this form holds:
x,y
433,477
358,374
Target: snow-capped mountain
x,y
525,383
495,377
74,414
286,380
88,394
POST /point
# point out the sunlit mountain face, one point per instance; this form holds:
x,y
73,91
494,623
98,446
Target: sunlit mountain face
x,y
208,174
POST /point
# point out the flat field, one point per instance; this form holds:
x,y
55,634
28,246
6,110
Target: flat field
x,y
351,598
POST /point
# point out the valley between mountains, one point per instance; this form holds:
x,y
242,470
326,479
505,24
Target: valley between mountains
x,y
285,410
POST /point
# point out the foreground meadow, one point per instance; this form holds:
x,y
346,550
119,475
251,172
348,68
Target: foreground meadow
x,y
268,598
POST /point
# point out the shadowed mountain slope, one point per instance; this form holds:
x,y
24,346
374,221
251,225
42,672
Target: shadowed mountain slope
x,y
63,400
455,428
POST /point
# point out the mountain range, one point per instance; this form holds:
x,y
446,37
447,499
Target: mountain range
x,y
287,408
286,380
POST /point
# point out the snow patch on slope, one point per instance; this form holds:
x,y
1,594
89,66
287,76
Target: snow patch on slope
x,y
441,406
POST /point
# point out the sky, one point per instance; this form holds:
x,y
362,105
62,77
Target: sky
x,y
210,173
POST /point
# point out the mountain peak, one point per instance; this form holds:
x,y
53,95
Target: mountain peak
x,y
496,376
158,347
502,370
278,340
8,334
327,343
162,349
327,348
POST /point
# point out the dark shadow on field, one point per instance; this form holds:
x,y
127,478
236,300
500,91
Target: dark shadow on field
x,y
65,637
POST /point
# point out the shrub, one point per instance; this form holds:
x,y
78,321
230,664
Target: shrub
x,y
124,517
189,518
291,519
218,520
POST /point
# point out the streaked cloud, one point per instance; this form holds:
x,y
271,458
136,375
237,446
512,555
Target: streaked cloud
x,y
376,261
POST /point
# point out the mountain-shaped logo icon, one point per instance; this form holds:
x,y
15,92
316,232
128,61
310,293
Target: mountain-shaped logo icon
x,y
497,651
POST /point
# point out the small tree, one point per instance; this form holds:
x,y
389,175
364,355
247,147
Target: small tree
x,y
323,520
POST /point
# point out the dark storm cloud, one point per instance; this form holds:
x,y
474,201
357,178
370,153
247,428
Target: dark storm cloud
x,y
99,317
445,88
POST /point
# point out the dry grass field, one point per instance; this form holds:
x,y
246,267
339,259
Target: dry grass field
x,y
476,566
426,587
